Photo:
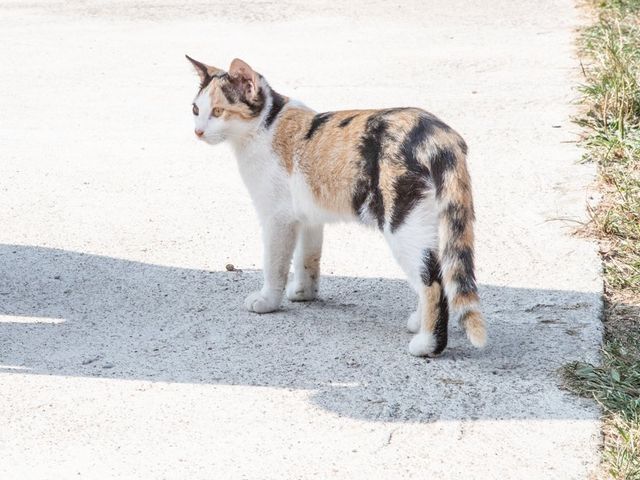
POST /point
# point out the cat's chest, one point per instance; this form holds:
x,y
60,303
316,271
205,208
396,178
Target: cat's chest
x,y
265,180
259,174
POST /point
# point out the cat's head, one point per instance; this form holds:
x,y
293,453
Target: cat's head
x,y
228,104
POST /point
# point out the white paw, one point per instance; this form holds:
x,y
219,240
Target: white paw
x,y
259,303
413,322
301,292
422,344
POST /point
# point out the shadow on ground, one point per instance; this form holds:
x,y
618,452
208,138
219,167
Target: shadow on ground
x,y
74,314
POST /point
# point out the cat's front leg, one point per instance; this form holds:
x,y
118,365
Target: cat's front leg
x,y
306,264
279,238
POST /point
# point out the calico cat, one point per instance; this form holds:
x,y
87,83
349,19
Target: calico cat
x,y
400,170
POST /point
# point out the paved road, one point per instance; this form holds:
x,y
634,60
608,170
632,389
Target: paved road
x,y
124,348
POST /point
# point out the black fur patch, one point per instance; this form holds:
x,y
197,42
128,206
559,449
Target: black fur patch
x,y
317,122
443,161
424,128
409,190
277,105
204,83
430,271
441,328
255,106
207,80
463,146
231,93
371,147
360,194
234,94
202,68
458,219
465,277
346,121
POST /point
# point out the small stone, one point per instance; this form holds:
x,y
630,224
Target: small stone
x,y
88,361
230,267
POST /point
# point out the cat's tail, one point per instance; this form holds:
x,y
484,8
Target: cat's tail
x,y
456,217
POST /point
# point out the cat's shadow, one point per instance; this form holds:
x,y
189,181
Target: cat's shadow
x,y
73,314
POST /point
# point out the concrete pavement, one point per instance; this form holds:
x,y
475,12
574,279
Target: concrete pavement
x,y
125,351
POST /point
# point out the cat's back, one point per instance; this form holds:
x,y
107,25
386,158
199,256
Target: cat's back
x,y
329,139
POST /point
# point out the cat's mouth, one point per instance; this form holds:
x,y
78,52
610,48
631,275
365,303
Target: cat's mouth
x,y
211,139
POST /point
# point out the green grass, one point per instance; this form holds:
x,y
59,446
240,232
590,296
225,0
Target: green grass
x,y
616,386
611,97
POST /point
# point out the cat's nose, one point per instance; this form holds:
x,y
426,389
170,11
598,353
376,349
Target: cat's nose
x,y
199,132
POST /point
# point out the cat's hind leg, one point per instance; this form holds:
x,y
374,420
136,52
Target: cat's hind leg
x,y
414,245
306,264
431,319
433,310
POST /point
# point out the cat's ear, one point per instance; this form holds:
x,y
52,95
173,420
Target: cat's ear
x,y
244,78
205,72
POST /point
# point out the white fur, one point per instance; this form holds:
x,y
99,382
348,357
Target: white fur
x,y
215,130
303,286
269,190
422,344
413,322
409,242
259,302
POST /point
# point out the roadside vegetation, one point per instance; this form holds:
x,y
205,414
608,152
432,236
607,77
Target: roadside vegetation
x,y
610,51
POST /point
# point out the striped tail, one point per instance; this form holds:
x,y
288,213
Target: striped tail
x,y
453,191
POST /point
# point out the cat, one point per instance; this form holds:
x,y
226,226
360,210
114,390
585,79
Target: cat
x,y
400,170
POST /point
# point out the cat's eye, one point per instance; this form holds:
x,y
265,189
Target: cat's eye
x,y
217,111
195,109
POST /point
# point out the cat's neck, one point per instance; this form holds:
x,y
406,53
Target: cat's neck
x,y
258,141
251,145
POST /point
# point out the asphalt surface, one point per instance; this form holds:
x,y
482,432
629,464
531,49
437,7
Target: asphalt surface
x,y
125,351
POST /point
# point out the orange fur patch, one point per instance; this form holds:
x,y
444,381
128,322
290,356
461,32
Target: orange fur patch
x,y
312,265
431,309
329,160
476,329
